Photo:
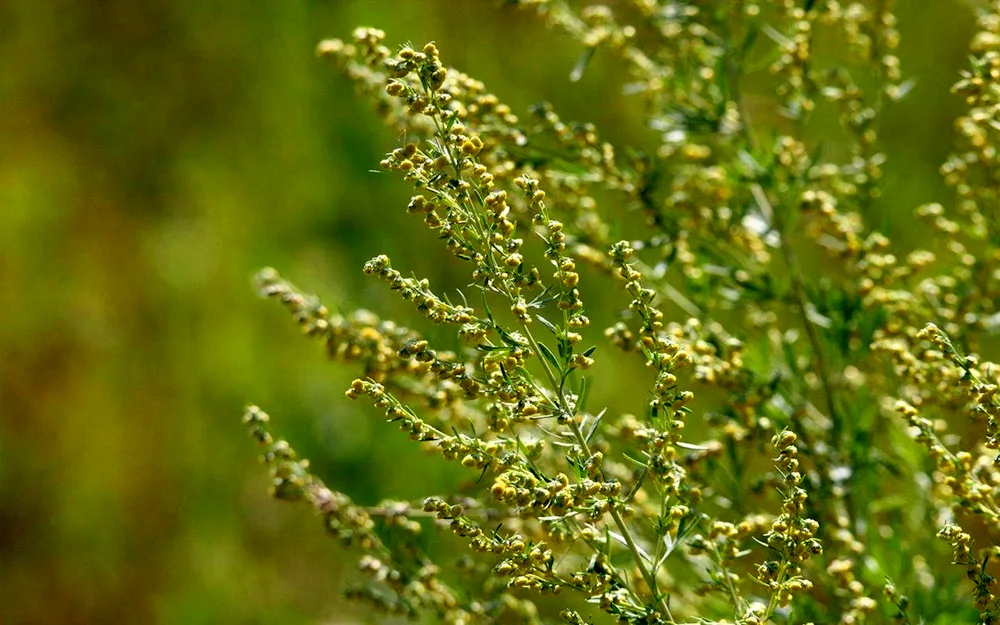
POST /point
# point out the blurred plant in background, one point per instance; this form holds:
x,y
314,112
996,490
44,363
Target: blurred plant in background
x,y
156,153
789,494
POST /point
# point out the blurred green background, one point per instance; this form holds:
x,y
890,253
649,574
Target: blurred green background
x,y
153,155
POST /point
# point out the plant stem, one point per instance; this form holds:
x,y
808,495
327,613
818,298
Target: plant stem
x,y
801,304
616,515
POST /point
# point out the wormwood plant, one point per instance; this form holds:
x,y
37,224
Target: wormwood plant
x,y
843,418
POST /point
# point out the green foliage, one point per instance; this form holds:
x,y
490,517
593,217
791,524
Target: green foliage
x,y
815,412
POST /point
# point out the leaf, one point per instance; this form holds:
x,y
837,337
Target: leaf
x,y
684,445
486,309
503,373
492,348
749,40
565,349
816,317
582,394
567,445
597,422
777,36
903,89
557,518
544,298
548,324
450,124
506,337
635,487
641,463
640,550
670,545
582,63
549,355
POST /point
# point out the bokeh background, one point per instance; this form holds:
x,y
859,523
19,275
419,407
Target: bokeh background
x,y
153,155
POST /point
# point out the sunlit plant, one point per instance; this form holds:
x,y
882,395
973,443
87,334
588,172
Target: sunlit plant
x,y
816,411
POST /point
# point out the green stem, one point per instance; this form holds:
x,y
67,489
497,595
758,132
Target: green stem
x,y
563,406
772,605
615,513
802,305
619,520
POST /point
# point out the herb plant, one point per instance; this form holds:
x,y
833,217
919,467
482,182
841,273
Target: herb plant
x,y
815,411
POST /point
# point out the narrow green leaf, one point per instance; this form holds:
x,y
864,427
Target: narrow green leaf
x,y
582,394
565,348
492,348
635,487
486,309
549,355
582,63
641,463
503,372
684,445
548,324
506,337
640,550
597,422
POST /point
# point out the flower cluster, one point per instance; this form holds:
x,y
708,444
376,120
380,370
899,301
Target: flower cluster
x,y
760,472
